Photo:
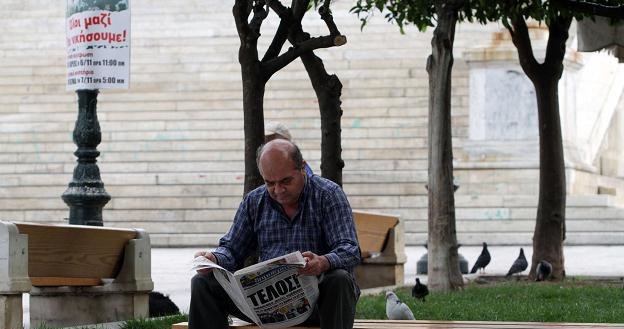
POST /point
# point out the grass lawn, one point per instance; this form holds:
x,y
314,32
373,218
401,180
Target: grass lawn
x,y
162,323
575,300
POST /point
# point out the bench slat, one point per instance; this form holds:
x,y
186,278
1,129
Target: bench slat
x,y
74,251
425,324
58,281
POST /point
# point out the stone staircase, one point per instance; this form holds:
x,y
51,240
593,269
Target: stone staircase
x,y
172,145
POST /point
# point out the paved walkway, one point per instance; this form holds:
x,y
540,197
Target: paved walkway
x,y
171,274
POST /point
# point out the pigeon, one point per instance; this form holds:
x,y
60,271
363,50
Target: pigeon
x,y
483,260
519,265
396,309
419,291
543,270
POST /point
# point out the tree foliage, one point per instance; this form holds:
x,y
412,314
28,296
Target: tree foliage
x,y
422,14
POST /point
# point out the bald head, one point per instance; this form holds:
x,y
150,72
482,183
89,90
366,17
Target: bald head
x,y
281,166
279,151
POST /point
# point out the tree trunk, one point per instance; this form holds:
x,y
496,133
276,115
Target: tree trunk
x,y
253,110
328,90
550,222
443,265
550,227
254,80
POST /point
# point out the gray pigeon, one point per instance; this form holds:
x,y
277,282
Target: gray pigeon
x,y
543,271
519,265
483,260
396,309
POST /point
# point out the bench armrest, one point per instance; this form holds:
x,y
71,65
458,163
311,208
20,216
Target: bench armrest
x,y
13,260
136,270
394,250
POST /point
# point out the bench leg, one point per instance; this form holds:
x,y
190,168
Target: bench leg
x,y
11,312
370,275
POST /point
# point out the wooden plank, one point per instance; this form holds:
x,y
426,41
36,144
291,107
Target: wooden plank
x,y
424,324
58,281
181,325
372,230
74,251
381,324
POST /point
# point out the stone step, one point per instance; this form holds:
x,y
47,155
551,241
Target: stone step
x,y
61,180
191,75
524,225
277,86
498,219
172,144
68,103
200,232
312,154
526,238
186,166
25,136
408,194
299,118
214,144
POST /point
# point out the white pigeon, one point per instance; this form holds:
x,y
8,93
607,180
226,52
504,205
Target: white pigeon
x,y
396,309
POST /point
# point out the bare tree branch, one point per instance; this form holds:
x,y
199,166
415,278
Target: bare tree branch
x,y
558,34
329,19
299,8
259,14
522,41
272,66
241,11
281,35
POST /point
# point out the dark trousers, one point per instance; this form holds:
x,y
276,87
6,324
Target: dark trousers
x,y
335,309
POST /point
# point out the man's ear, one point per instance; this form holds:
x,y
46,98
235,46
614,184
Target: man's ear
x,y
303,165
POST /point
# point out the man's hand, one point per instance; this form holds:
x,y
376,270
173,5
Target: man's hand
x,y
315,264
208,255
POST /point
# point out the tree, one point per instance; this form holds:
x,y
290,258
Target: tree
x,y
248,16
443,266
328,88
550,226
550,219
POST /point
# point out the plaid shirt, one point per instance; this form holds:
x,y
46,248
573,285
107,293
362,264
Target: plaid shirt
x,y
323,225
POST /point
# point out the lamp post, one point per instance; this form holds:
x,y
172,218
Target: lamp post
x,y
86,195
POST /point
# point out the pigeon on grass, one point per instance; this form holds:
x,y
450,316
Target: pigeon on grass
x,y
419,291
483,260
519,265
543,271
396,309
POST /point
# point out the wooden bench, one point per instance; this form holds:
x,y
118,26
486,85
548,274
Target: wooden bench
x,y
432,324
75,274
382,244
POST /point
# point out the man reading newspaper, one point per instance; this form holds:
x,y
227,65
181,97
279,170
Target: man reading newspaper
x,y
290,212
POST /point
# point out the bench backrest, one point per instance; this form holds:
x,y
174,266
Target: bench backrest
x,y
74,254
373,230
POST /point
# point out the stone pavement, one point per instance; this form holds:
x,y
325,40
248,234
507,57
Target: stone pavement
x,y
171,274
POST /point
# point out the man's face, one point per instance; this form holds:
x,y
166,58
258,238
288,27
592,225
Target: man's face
x,y
282,180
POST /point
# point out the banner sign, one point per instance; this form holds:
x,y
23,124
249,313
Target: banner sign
x,y
98,44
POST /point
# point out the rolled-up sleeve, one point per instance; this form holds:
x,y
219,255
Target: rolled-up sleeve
x,y
340,232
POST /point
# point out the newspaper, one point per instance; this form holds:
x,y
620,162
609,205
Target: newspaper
x,y
270,293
